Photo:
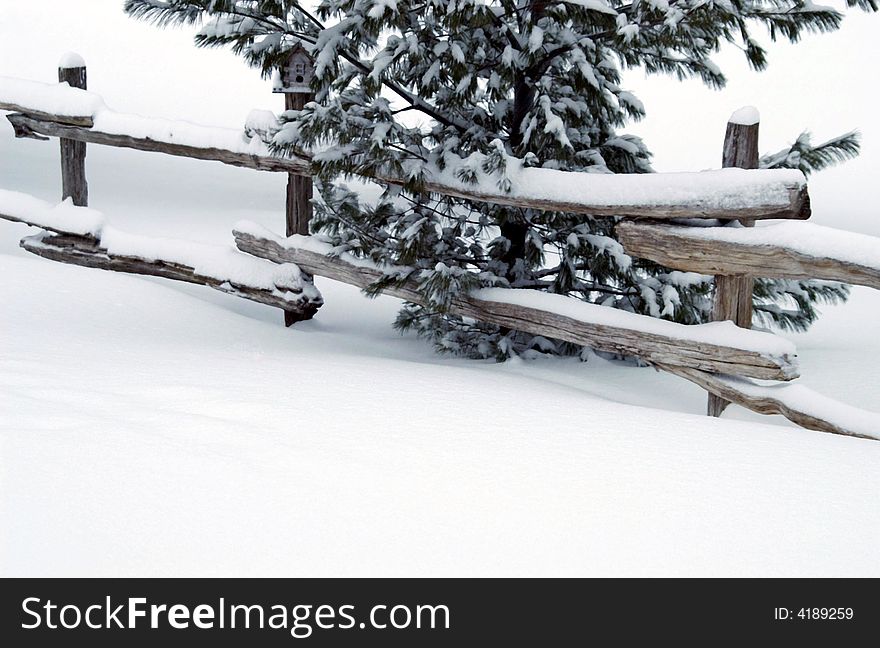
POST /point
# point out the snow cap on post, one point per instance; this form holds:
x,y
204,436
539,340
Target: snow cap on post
x,y
71,60
745,116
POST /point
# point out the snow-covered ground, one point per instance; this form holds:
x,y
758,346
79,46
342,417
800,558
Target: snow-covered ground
x,y
155,428
149,427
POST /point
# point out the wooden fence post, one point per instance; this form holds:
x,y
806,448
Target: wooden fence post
x,y
72,69
733,293
293,80
299,193
299,187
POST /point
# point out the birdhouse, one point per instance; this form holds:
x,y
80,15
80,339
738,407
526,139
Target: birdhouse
x,y
297,74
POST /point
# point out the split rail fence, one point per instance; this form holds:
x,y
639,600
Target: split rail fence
x,y
693,230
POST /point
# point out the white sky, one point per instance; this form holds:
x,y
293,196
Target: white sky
x,y
827,84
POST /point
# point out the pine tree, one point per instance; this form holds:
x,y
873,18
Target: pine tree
x,y
477,86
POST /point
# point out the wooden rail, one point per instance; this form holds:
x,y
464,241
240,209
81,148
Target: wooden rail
x,y
724,251
84,121
683,349
807,409
790,201
81,244
701,364
25,125
83,252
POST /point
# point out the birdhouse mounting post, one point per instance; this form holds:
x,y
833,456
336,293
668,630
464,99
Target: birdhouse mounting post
x,y
294,81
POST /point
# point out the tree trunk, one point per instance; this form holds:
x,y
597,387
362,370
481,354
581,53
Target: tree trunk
x,y
514,228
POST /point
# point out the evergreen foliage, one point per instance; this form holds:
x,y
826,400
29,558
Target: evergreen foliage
x,y
786,303
473,87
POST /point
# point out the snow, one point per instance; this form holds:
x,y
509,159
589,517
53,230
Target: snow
x,y
810,402
150,428
217,261
805,238
178,132
234,446
628,32
722,188
536,39
53,98
594,5
379,7
65,216
223,262
261,121
71,60
718,333
61,99
746,116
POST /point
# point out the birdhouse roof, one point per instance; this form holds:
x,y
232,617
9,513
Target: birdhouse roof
x,y
298,49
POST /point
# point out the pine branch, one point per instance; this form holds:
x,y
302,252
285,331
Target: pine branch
x,y
164,14
806,157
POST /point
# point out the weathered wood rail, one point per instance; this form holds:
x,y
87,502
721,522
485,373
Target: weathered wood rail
x,y
682,346
811,410
730,250
84,121
707,195
82,244
702,364
89,253
27,124
794,205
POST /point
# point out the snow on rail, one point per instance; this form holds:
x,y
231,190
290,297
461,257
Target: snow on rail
x,y
71,60
790,250
745,116
49,99
716,347
176,131
727,193
63,218
716,190
808,239
796,402
716,333
220,262
802,399
66,102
